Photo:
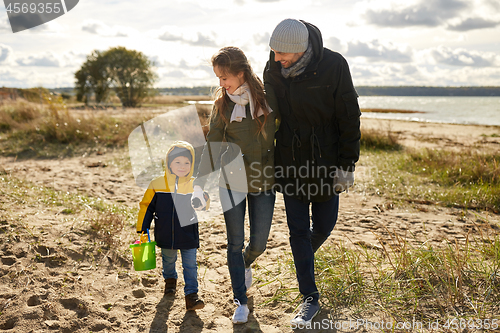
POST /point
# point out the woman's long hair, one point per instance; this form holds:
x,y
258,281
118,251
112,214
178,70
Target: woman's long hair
x,y
232,60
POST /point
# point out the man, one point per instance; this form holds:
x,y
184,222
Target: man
x,y
317,143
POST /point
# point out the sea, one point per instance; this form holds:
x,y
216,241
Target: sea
x,y
452,110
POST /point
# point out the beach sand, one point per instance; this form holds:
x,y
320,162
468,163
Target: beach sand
x,y
54,280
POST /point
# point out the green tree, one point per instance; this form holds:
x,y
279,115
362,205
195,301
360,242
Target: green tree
x,y
128,72
92,77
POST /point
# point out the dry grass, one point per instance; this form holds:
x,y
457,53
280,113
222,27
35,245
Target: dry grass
x,y
416,282
463,179
15,114
108,226
451,167
374,139
33,131
459,179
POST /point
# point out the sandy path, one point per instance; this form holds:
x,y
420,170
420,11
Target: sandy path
x,y
56,281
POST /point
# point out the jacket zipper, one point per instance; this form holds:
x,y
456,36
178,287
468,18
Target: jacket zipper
x,y
173,209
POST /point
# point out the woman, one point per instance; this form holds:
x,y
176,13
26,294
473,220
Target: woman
x,y
242,117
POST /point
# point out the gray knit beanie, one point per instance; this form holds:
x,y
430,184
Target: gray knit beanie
x,y
179,151
290,36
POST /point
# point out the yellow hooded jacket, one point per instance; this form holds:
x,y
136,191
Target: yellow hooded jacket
x,y
168,201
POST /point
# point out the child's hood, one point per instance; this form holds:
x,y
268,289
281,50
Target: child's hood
x,y
185,145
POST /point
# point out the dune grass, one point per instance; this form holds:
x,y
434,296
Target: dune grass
x,y
102,221
470,179
464,179
51,129
29,129
405,282
379,140
402,281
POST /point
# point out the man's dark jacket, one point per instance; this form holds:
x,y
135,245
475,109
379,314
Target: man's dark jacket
x,y
319,122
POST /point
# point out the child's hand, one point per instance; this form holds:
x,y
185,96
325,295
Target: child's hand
x,y
199,200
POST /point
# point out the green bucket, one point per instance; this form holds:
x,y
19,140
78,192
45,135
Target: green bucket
x,y
144,256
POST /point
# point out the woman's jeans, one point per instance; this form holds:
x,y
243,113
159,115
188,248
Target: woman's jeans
x,y
189,268
260,215
305,239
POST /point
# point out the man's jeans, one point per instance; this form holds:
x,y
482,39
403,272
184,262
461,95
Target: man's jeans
x,y
260,215
305,239
189,268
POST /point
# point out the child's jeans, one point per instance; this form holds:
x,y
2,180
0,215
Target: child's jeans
x,y
189,265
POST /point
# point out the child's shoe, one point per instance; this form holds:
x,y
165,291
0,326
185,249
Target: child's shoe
x,y
170,285
193,302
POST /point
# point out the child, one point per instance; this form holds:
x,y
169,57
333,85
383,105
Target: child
x,y
168,201
242,117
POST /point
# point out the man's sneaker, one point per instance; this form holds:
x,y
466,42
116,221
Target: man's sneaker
x,y
308,310
248,277
241,314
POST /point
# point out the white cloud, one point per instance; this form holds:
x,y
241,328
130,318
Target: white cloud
x,y
49,59
455,15
99,28
183,73
5,51
379,49
423,75
181,77
428,13
193,38
43,60
335,44
182,65
376,51
262,39
493,4
4,25
462,57
11,78
35,77
52,28
473,23
387,74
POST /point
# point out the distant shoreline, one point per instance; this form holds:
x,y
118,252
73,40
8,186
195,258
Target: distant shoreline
x,y
370,91
428,91
365,117
381,110
485,91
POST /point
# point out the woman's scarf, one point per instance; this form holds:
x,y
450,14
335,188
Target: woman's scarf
x,y
241,97
300,65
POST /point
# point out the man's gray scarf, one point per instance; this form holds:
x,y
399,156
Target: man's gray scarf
x,y
300,65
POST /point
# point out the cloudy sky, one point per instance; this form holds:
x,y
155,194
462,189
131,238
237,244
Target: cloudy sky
x,y
401,42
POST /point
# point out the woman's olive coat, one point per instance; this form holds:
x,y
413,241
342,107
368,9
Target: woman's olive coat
x,y
244,155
